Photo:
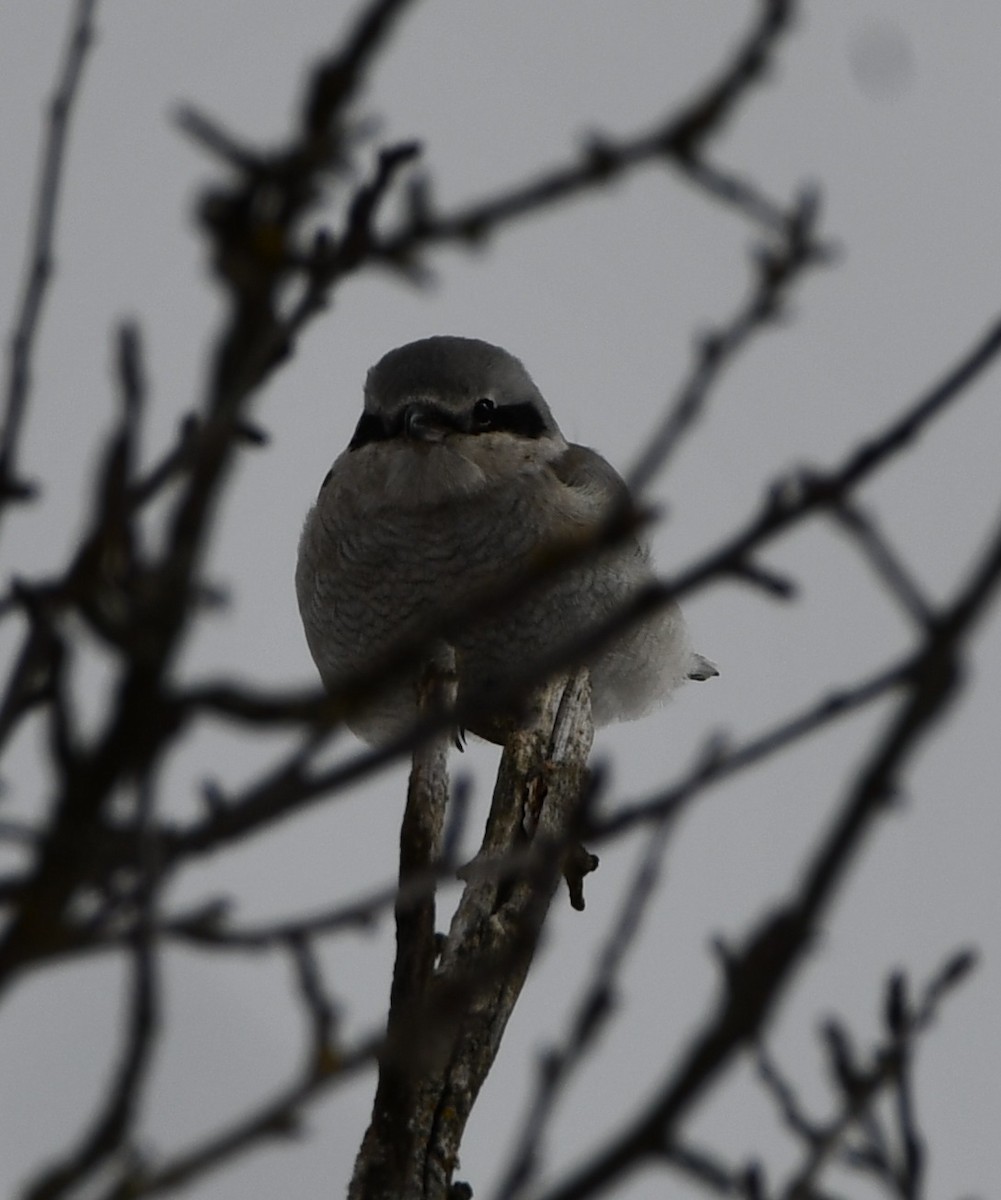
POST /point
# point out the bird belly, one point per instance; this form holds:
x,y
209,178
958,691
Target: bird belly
x,y
369,588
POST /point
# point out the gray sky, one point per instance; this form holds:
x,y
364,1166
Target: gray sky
x,y
893,109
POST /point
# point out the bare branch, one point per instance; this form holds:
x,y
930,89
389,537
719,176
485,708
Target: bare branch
x,y
316,1002
884,560
454,1034
451,997
40,267
892,1157
777,268
680,139
340,77
277,1118
720,761
117,1115
757,974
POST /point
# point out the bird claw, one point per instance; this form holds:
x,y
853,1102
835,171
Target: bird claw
x,y
578,863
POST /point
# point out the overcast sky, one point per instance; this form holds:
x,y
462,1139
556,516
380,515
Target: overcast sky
x,y
893,110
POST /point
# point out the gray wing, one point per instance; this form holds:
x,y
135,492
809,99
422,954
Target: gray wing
x,y
659,656
587,472
600,491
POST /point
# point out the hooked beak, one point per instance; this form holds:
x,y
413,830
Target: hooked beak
x,y
422,423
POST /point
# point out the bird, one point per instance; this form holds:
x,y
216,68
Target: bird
x,y
456,484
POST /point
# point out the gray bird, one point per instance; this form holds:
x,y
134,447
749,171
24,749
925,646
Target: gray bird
x,y
455,482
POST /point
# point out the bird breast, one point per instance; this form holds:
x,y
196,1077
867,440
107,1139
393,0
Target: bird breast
x,y
375,571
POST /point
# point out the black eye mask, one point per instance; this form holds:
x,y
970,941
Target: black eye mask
x,y
523,420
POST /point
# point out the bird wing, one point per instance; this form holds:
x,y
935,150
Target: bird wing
x,y
585,471
598,490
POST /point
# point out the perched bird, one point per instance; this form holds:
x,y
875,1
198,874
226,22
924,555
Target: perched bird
x,y
456,482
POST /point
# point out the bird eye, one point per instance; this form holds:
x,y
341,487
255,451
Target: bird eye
x,y
483,413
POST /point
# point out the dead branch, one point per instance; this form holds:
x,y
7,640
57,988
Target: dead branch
x,y
42,243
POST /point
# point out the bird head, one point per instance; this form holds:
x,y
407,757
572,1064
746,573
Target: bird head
x,y
457,406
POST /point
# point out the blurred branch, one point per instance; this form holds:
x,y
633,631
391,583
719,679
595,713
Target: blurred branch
x,y
885,561
756,975
141,607
788,502
858,1085
318,1006
291,787
277,1119
341,75
254,225
736,192
206,926
18,833
39,274
777,267
451,1000
720,761
33,677
679,138
117,1112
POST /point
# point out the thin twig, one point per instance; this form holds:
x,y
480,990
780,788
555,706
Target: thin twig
x,y
777,268
41,249
277,1118
117,1113
887,564
720,761
858,1087
679,138
318,1006
758,974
